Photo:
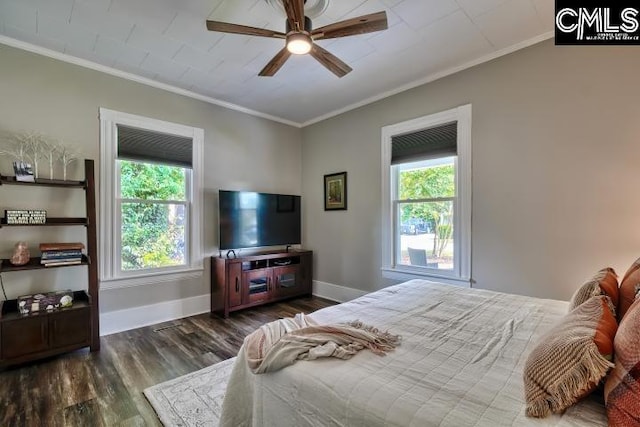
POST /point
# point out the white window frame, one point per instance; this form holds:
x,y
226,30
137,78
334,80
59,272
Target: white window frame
x,y
461,273
111,275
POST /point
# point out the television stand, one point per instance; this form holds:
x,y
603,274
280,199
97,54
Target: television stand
x,y
252,280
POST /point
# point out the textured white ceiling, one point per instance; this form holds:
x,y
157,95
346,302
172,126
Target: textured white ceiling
x,y
167,41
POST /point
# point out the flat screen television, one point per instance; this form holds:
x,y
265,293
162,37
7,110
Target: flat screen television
x,y
249,220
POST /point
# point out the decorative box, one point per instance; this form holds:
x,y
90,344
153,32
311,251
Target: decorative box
x,y
45,302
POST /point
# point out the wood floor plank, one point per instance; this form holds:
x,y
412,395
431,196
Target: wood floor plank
x,y
105,388
76,381
113,395
79,413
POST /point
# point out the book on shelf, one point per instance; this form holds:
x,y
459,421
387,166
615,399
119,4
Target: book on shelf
x,y
59,263
54,261
44,247
74,253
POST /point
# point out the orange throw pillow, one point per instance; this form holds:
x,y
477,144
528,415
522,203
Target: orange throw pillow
x,y
628,288
622,390
570,360
605,282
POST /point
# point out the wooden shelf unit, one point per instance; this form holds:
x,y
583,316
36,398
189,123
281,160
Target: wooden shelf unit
x,y
33,336
35,264
248,281
43,182
30,337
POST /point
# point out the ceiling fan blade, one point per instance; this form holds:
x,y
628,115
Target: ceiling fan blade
x,y
351,27
295,13
332,62
276,63
225,27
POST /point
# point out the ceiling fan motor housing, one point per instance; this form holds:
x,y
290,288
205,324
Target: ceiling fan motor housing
x,y
312,8
307,26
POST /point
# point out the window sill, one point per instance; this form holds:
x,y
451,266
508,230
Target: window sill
x,y
409,274
151,278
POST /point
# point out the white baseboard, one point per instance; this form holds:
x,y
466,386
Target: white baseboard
x,y
335,292
122,320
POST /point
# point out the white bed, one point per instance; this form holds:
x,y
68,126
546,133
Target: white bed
x,y
460,364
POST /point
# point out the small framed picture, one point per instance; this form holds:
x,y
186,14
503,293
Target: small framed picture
x,y
23,171
335,191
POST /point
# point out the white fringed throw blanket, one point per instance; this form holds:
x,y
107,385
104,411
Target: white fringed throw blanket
x,y
279,344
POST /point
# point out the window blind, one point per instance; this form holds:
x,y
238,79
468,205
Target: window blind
x,y
439,141
155,147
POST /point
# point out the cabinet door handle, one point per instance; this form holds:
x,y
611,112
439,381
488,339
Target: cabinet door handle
x,y
237,285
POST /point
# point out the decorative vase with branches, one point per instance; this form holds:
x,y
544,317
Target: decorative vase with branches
x,y
16,150
35,144
31,147
51,153
26,148
67,156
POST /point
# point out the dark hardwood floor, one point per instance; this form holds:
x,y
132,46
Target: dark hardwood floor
x,y
105,388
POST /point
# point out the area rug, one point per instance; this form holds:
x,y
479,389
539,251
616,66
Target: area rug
x,y
194,399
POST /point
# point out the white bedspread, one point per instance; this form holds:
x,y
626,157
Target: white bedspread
x,y
460,364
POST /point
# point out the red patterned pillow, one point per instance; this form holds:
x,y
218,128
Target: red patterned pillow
x,y
605,282
628,288
622,390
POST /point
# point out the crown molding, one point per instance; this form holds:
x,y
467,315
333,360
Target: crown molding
x,y
433,77
138,79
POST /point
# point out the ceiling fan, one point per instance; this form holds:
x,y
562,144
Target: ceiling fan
x,y
300,36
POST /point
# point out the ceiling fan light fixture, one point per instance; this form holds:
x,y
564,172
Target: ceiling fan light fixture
x,y
299,43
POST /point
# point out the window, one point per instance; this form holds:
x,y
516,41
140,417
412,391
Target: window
x,y
150,200
427,197
424,204
154,209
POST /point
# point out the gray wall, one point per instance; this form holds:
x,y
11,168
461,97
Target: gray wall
x,y
555,134
555,141
62,100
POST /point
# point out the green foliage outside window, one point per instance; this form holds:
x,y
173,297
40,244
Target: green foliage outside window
x,y
153,234
429,183
150,181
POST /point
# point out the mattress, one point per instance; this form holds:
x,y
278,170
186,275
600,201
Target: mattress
x,y
460,364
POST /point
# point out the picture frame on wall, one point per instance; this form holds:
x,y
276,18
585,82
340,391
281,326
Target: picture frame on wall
x,y
23,171
335,191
